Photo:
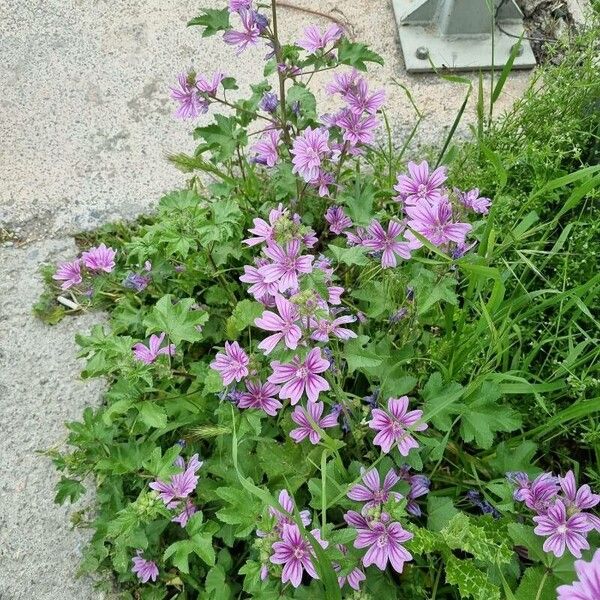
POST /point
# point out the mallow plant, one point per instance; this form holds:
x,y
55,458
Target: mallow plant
x,y
301,402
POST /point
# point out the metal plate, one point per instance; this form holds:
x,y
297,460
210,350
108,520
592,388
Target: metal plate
x,y
469,52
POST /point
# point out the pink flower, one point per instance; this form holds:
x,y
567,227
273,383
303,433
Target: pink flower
x,y
150,353
184,516
419,486
562,530
372,492
191,104
472,200
359,100
314,40
181,484
210,87
284,324
579,499
262,396
337,219
299,377
322,182
588,585
343,83
249,34
286,266
420,184
385,541
335,292
307,429
267,148
357,129
326,328
434,222
387,242
69,273
394,427
538,494
145,570
353,578
233,365
263,231
308,150
237,5
99,259
295,553
259,289
286,518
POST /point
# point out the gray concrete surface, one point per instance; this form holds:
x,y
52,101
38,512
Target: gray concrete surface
x,y
84,126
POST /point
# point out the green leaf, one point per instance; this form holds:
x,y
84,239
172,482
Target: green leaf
x,y
355,255
222,137
308,104
179,552
179,321
68,489
213,21
441,401
429,289
356,55
485,540
537,583
243,316
359,201
203,548
484,416
514,458
358,354
470,580
153,415
440,511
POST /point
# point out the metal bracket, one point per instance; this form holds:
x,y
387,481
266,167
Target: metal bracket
x,y
457,34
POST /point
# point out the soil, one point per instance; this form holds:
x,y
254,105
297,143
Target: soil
x,y
545,22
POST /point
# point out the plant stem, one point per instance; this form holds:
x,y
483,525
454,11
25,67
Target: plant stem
x,y
280,75
231,295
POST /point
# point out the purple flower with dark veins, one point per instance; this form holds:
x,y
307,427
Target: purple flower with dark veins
x,y
563,531
314,39
307,429
372,492
300,377
435,222
249,34
148,354
308,151
295,553
283,324
286,266
357,129
420,185
387,242
395,426
472,200
269,102
233,365
145,570
100,258
587,586
267,148
191,104
69,273
337,219
260,396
